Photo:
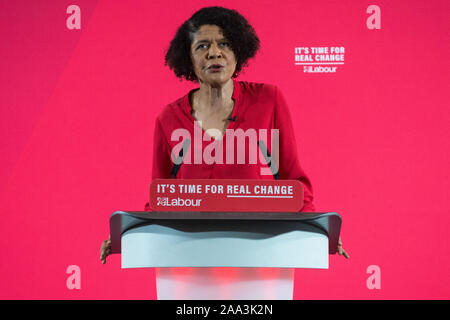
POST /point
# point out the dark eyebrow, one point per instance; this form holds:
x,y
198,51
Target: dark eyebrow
x,y
207,41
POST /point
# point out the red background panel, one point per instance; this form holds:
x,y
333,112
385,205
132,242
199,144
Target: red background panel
x,y
77,110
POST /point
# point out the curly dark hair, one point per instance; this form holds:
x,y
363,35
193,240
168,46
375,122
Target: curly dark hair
x,y
242,37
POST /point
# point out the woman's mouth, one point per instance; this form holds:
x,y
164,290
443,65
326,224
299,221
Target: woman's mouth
x,y
215,68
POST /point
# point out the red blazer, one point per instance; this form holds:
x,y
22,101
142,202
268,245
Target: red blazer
x,y
258,108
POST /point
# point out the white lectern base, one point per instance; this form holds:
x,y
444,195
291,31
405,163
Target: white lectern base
x,y
223,260
251,244
224,283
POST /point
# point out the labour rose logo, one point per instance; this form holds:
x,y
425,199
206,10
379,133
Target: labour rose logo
x,y
163,201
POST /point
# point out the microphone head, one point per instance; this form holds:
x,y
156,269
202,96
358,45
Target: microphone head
x,y
262,146
179,161
266,154
182,153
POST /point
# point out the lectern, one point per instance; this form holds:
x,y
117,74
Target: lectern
x,y
224,255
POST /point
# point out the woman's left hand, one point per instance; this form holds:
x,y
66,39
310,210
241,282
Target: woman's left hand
x,y
341,250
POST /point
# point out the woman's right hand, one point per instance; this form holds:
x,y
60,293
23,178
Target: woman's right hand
x,y
105,250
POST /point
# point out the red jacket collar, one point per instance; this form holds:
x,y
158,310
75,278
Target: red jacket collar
x,y
187,108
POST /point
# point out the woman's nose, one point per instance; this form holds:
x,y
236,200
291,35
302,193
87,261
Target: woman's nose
x,y
214,51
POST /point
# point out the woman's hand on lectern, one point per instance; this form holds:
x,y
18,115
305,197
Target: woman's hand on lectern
x,y
105,250
341,250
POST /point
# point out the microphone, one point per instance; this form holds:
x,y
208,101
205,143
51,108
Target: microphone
x,y
266,154
230,118
179,161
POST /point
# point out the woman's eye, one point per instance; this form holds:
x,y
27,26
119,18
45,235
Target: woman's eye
x,y
205,46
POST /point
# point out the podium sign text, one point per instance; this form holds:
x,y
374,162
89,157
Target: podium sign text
x,y
226,195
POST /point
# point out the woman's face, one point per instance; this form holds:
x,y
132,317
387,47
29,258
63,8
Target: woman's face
x,y
212,58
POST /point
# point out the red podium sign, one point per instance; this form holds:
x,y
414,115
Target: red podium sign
x,y
226,195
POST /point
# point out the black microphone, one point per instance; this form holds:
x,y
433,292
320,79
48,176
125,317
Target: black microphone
x,y
179,161
230,118
266,154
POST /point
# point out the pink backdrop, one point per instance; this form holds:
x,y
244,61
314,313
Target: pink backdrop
x,y
77,110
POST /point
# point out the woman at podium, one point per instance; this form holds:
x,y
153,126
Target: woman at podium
x,y
211,48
